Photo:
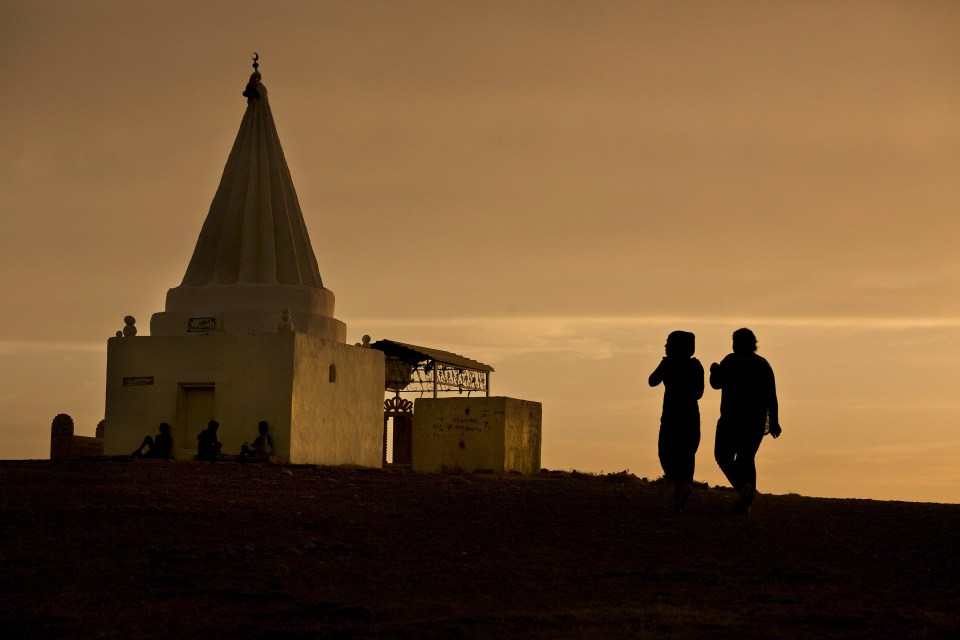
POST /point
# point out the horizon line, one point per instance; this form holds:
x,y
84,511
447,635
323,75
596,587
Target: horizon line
x,y
864,322
873,323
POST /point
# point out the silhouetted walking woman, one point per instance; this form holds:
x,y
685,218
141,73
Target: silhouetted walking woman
x,y
679,439
748,411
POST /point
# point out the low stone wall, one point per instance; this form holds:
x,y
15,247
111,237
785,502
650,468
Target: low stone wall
x,y
66,446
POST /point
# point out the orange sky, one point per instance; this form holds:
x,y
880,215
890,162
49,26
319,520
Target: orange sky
x,y
549,187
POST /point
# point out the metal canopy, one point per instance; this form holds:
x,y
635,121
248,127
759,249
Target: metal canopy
x,y
414,369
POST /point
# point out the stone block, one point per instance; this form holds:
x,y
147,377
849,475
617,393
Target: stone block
x,y
498,434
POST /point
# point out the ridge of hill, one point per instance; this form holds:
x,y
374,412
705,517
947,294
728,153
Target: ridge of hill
x,y
155,549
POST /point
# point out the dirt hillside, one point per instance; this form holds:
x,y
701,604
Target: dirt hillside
x,y
126,549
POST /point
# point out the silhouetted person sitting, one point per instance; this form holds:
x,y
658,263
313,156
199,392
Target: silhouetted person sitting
x,y
748,411
262,447
682,378
160,448
208,447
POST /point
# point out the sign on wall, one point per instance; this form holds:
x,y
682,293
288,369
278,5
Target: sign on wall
x,y
201,325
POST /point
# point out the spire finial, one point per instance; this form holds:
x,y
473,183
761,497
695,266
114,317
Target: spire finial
x,y
251,93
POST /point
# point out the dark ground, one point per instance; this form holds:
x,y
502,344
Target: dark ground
x,y
180,550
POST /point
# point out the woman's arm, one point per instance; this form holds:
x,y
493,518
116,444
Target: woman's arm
x,y
716,375
657,376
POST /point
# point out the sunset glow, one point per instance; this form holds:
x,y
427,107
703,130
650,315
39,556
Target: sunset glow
x,y
548,187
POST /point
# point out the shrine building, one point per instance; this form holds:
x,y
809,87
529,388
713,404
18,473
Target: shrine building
x,y
250,333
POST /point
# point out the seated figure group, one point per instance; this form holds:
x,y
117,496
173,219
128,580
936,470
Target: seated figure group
x,y
209,446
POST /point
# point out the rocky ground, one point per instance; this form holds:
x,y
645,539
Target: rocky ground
x,y
126,549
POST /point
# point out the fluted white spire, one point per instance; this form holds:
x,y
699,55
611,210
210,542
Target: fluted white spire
x,y
253,259
254,232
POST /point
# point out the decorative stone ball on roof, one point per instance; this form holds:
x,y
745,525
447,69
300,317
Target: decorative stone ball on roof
x,y
130,329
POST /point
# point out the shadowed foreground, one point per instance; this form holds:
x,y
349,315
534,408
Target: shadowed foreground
x,y
165,549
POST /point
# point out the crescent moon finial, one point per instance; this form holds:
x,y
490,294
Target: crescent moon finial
x,y
256,56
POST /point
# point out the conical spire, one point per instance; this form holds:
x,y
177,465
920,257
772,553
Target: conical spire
x,y
253,259
254,232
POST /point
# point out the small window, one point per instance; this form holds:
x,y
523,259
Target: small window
x,y
333,373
